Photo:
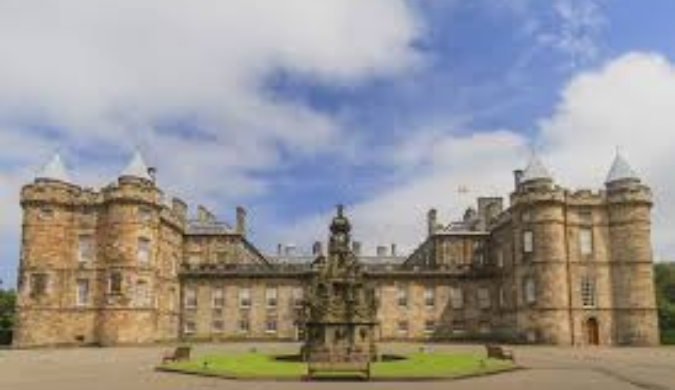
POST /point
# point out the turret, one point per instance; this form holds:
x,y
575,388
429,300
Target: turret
x,y
538,214
629,215
130,226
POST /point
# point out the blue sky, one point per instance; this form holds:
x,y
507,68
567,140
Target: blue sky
x,y
388,106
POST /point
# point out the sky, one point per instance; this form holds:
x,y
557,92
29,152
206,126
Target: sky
x,y
390,107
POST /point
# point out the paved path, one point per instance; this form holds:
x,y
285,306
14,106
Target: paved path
x,y
131,368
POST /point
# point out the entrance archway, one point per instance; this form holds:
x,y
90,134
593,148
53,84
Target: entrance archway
x,y
592,331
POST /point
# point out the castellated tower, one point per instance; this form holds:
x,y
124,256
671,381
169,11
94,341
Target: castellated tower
x,y
629,205
541,275
98,267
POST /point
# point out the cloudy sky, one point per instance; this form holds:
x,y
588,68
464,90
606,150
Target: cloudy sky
x,y
290,107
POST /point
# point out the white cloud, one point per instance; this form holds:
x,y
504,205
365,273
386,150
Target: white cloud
x,y
629,102
103,77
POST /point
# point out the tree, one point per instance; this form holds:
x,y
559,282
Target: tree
x,y
665,294
7,315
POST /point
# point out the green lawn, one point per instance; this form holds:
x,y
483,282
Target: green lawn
x,y
417,365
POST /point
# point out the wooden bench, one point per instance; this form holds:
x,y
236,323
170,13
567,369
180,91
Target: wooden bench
x,y
179,354
499,352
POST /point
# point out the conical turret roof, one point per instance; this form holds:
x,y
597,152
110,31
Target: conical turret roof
x,y
536,170
54,170
620,171
137,168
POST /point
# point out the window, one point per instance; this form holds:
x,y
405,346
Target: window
x,y
588,291
218,326
271,325
528,241
244,298
429,297
82,292
190,327
530,291
85,248
586,241
115,283
143,250
483,298
190,298
46,212
244,325
403,326
38,285
526,216
141,294
456,297
271,297
297,297
502,297
144,214
585,216
217,298
429,326
402,296
500,258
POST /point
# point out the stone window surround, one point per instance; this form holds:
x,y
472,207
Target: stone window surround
x,y
529,290
143,250
528,241
82,292
271,297
191,298
586,241
244,298
484,301
115,282
39,284
456,298
85,247
588,291
402,296
429,297
218,297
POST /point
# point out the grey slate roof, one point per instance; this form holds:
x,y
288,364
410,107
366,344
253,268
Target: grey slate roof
x,y
536,170
54,170
620,170
137,168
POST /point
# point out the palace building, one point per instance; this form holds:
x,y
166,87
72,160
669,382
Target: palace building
x,y
125,264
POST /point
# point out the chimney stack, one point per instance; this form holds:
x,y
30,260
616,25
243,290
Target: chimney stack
x,y
381,250
204,215
432,221
280,249
393,249
356,248
241,221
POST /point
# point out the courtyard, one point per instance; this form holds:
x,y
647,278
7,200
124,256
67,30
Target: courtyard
x,y
131,368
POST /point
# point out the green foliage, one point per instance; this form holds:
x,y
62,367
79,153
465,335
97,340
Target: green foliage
x,y
417,365
7,315
664,274
7,310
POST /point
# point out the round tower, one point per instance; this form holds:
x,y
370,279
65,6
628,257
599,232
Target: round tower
x,y
129,238
44,307
541,272
629,205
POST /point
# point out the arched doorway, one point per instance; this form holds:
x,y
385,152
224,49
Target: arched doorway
x,y
592,331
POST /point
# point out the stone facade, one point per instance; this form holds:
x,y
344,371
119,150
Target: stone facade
x,y
125,265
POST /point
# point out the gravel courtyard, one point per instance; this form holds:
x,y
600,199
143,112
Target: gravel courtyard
x,y
131,368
